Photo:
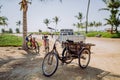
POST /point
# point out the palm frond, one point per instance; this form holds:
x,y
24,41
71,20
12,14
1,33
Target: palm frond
x,y
56,20
46,21
105,1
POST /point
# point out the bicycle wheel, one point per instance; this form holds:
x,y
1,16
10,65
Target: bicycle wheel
x,y
36,47
67,57
50,64
46,49
28,45
84,58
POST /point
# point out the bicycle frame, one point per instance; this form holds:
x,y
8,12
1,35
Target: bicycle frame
x,y
55,50
62,59
30,39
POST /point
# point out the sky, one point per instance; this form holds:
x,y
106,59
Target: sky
x,y
39,11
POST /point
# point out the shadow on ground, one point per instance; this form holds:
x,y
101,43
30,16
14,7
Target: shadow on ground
x,y
29,68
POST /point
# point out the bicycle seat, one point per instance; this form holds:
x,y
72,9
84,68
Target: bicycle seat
x,y
45,36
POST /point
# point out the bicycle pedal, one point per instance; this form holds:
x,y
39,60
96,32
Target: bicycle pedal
x,y
63,58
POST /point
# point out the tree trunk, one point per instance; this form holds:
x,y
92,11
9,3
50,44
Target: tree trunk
x,y
78,29
19,28
112,29
24,29
116,29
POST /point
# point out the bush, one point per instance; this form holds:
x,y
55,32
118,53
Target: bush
x,y
106,34
92,34
103,34
10,40
117,35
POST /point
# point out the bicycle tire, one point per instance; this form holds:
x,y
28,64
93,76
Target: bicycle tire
x,y
28,45
66,54
81,57
37,47
46,65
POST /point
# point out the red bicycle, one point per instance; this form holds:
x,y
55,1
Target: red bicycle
x,y
31,43
46,43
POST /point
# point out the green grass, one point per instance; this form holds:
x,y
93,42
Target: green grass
x,y
91,34
10,40
103,34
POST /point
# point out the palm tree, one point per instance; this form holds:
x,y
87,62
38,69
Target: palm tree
x,y
17,30
24,7
91,24
39,30
117,23
56,20
109,22
46,21
10,30
80,18
79,25
113,7
97,24
0,7
2,30
19,24
3,21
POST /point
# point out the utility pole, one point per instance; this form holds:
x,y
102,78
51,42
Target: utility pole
x,y
87,16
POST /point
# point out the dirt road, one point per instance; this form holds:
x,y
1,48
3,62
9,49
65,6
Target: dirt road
x,y
17,64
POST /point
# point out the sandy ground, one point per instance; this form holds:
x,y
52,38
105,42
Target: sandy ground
x,y
16,64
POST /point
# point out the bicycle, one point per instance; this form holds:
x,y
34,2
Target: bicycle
x,y
46,43
32,44
80,51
